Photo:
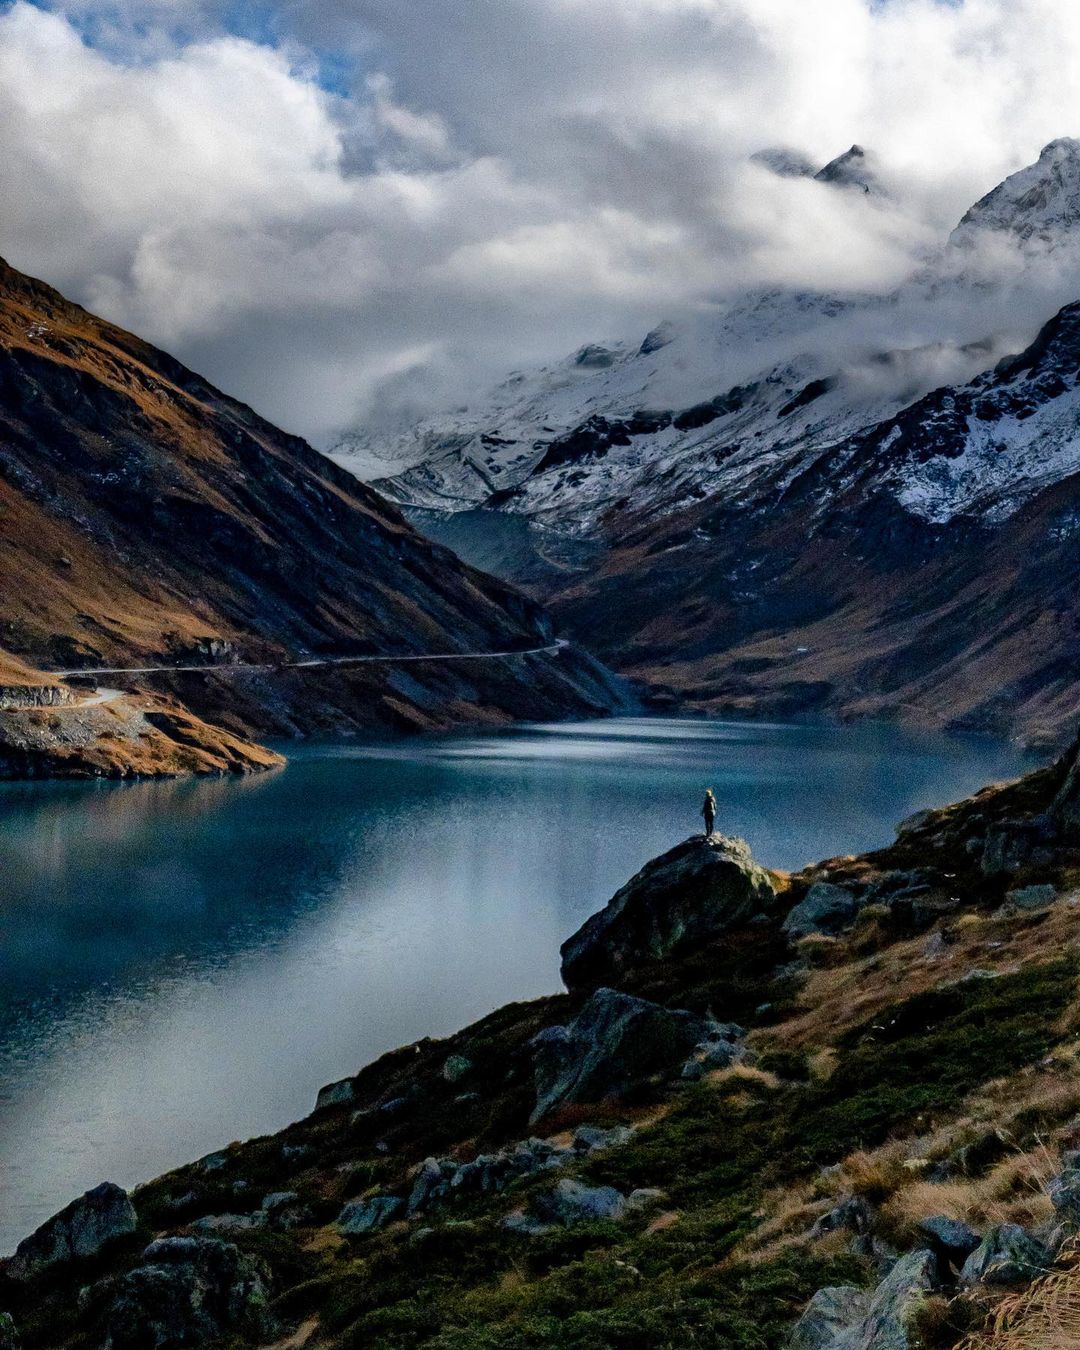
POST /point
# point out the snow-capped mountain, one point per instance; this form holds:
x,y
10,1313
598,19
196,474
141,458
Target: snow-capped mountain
x,y
730,445
700,405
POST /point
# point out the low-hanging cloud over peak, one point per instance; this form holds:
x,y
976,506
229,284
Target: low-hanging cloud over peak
x,y
349,196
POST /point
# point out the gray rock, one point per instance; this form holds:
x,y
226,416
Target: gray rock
x,y
1065,1194
189,1292
341,1093
914,822
368,1216
9,1336
1032,897
431,1177
701,888
616,1042
853,1213
278,1200
824,909
1010,844
570,1202
230,1223
895,1304
1065,809
214,1162
592,1139
645,1197
456,1066
1006,1255
951,1238
81,1229
526,1225
829,1313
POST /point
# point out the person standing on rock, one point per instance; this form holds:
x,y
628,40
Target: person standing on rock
x,y
708,810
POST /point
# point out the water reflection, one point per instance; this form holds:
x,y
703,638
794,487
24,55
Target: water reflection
x,y
182,964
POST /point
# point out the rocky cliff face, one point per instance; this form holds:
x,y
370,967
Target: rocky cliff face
x,y
833,1111
146,519
859,529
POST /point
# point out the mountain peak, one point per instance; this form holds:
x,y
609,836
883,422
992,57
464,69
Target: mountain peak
x,y
1040,202
852,169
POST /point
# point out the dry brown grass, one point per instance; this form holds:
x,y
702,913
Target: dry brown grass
x,y
1045,1316
846,987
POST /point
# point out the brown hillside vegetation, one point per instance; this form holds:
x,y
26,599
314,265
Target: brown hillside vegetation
x,y
146,518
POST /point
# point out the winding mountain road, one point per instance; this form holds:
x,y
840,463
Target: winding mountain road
x,y
108,695
551,649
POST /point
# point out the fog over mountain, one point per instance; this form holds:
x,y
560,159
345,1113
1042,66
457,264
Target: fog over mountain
x,y
356,211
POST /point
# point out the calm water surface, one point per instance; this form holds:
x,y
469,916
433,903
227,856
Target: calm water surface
x,y
185,964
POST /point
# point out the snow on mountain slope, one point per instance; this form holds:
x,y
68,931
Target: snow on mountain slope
x,y
715,403
1041,202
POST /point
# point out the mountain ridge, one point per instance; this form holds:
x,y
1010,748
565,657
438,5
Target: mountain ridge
x,y
669,504
148,519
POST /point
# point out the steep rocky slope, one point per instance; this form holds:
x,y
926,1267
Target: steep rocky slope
x,y
147,519
792,507
834,1109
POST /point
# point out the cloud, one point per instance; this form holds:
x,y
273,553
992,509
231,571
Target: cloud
x,y
492,182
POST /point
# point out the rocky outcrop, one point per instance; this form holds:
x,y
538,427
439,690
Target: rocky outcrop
x,y
80,1230
570,1202
615,1043
189,1292
1065,1190
21,696
952,1239
700,888
1006,1255
368,1216
851,1319
831,1312
826,908
133,736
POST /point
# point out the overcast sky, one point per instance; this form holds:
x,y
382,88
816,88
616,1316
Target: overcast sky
x,y
306,199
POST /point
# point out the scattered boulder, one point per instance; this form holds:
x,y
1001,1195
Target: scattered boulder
x,y
829,1314
700,888
456,1067
81,1229
525,1224
615,1043
1012,844
1065,1191
592,1139
724,1047
645,1197
1031,897
1065,808
826,908
368,1216
952,1239
570,1202
1006,1255
895,1304
230,1223
341,1093
189,1292
287,1217
853,1213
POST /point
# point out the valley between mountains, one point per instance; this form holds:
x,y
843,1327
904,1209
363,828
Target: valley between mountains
x,y
799,502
